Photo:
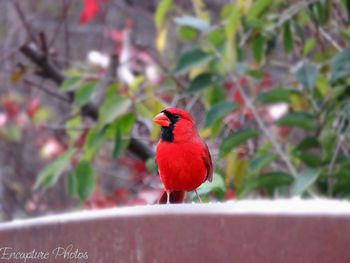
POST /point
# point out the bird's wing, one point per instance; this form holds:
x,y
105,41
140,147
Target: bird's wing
x,y
208,163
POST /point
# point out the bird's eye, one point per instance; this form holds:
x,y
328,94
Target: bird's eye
x,y
176,117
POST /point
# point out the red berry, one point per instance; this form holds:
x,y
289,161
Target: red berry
x,y
11,108
32,107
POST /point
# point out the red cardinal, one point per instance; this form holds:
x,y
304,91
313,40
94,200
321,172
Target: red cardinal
x,y
183,158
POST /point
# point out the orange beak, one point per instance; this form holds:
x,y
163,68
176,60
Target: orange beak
x,y
162,120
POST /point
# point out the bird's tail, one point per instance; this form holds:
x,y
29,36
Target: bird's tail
x,y
175,197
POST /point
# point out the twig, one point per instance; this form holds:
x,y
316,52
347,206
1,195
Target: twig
x,y
58,27
65,128
293,10
47,90
9,55
24,21
66,31
43,43
330,39
193,101
160,64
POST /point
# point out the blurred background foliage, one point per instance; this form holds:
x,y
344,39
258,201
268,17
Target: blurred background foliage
x,y
267,82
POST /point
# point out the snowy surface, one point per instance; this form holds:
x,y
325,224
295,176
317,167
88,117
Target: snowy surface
x,y
293,207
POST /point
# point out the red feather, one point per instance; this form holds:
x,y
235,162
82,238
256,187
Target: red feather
x,y
91,8
184,160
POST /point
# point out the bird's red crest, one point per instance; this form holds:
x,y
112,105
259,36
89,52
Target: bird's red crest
x,y
182,113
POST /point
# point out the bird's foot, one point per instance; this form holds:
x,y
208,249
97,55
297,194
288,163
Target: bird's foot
x,y
168,197
199,198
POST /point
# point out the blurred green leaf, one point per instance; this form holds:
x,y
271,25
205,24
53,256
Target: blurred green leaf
x,y
219,111
260,162
306,75
72,125
305,179
214,94
126,122
122,127
192,22
135,85
85,178
151,165
328,138
232,22
321,11
340,67
117,149
272,180
217,37
203,81
192,58
258,46
236,139
342,176
112,108
187,33
11,132
250,183
161,12
235,169
230,55
347,111
301,120
71,83
84,92
310,159
345,35
51,173
257,8
308,143
309,45
347,6
288,42
72,184
217,184
231,27
275,96
42,115
94,139
143,110
215,128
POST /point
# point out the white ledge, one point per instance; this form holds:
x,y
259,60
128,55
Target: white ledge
x,y
292,207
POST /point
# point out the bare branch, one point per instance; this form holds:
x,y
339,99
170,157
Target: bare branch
x,y
47,69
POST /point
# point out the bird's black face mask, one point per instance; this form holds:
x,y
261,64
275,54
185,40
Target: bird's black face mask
x,y
167,133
